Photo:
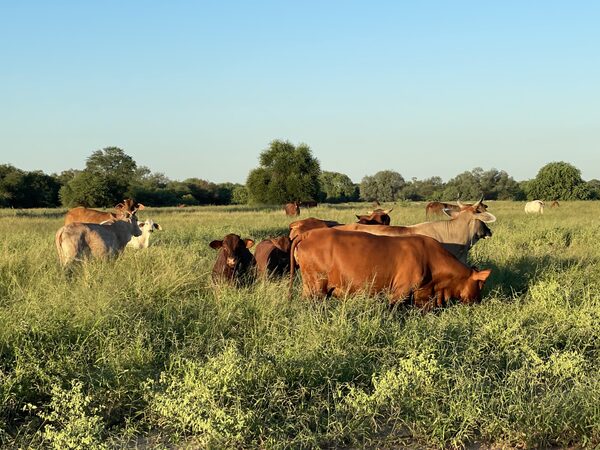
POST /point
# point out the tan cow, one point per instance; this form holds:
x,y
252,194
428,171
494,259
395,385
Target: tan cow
x,y
457,235
87,215
80,241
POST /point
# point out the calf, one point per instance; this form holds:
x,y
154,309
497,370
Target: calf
x,y
292,209
534,207
148,227
273,256
411,267
234,263
79,241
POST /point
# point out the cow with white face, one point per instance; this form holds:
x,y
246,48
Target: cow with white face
x,y
148,227
534,207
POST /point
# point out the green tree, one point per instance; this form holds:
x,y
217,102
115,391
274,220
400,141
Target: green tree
x,y
418,190
87,189
286,173
384,186
106,180
336,187
558,181
239,195
21,189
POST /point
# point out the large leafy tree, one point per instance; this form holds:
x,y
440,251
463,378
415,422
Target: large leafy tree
x,y
286,173
384,186
337,187
21,189
105,181
560,181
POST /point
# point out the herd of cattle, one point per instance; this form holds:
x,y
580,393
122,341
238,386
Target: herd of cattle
x,y
425,263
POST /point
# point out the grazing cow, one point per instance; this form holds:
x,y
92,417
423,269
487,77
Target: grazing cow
x,y
147,228
273,256
337,263
309,204
437,208
79,241
86,215
292,209
457,235
534,207
554,204
234,263
301,226
376,217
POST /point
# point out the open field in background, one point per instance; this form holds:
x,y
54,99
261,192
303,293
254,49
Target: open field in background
x,y
145,351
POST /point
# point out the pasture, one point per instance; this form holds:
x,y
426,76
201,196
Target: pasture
x,y
145,351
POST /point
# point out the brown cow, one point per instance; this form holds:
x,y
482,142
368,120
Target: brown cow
x,y
82,214
292,209
376,217
79,241
437,208
554,204
301,226
416,267
273,256
457,235
234,262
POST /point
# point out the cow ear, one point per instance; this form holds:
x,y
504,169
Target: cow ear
x,y
216,244
141,224
249,243
140,206
481,275
157,226
282,243
485,217
119,206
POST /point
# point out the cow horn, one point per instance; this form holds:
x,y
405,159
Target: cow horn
x,y
476,205
388,211
459,203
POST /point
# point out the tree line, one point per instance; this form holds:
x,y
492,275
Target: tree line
x,y
286,173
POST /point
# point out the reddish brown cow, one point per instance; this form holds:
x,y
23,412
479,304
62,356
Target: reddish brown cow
x,y
273,256
302,226
554,204
81,214
376,217
338,263
437,208
292,209
234,263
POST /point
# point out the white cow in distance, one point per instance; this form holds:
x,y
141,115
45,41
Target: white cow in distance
x,y
534,207
142,241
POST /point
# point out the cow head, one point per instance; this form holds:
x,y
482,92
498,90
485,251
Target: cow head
x,y
129,205
234,251
149,226
478,206
376,217
470,292
282,243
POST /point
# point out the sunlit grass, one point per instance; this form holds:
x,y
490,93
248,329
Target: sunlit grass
x,y
147,349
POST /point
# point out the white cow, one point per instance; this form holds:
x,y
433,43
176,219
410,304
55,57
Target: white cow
x,y
79,241
534,207
142,241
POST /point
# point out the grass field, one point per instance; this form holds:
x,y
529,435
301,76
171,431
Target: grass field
x,y
145,351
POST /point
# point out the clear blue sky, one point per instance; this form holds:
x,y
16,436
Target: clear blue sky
x,y
199,89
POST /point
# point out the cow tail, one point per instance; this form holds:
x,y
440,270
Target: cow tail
x,y
295,243
59,249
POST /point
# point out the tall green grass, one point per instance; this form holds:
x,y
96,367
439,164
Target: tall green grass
x,y
145,350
